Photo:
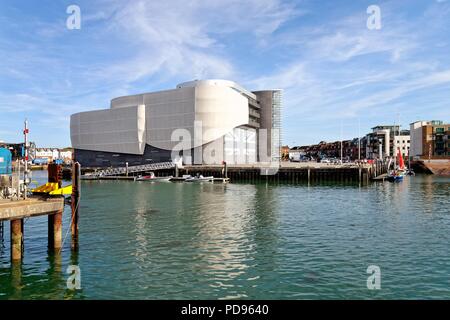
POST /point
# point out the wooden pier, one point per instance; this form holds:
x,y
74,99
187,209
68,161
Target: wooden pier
x,y
18,210
287,172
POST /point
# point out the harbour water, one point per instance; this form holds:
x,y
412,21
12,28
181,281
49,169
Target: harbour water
x,y
142,240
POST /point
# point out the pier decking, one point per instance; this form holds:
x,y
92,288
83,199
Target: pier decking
x,y
31,207
17,210
288,172
41,204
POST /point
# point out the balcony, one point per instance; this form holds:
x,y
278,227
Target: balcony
x,y
253,123
254,113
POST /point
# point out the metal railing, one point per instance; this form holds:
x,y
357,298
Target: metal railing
x,y
132,169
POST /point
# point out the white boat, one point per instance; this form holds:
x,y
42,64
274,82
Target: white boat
x,y
88,176
180,179
152,177
199,178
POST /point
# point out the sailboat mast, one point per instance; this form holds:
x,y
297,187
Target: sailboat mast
x,y
341,142
359,139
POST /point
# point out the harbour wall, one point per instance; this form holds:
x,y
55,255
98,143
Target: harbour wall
x,y
345,174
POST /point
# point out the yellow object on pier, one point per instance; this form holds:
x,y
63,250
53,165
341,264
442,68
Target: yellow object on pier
x,y
52,189
67,190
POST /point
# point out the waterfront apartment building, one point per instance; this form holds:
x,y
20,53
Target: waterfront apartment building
x,y
402,142
348,149
430,139
385,141
202,121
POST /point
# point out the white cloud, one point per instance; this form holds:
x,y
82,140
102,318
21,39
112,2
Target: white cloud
x,y
184,39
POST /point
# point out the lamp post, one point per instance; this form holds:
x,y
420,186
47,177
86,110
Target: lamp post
x,y
25,151
380,148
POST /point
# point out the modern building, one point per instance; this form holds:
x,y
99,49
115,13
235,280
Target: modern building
x,y
349,149
202,121
402,142
385,141
430,139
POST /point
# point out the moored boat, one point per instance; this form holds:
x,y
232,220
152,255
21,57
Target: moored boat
x,y
395,177
199,178
152,177
398,173
180,179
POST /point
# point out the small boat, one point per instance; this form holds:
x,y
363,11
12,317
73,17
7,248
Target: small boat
x,y
199,178
395,177
180,179
398,173
152,177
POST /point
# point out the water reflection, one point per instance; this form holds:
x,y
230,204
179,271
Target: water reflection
x,y
16,281
224,232
266,241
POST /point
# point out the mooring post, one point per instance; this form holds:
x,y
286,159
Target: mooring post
x,y
1,232
55,219
224,170
16,239
126,169
55,230
76,192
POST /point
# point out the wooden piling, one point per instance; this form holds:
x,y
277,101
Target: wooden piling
x,y
76,192
55,220
225,169
16,239
55,231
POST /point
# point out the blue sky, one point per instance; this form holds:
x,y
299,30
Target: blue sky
x,y
335,72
